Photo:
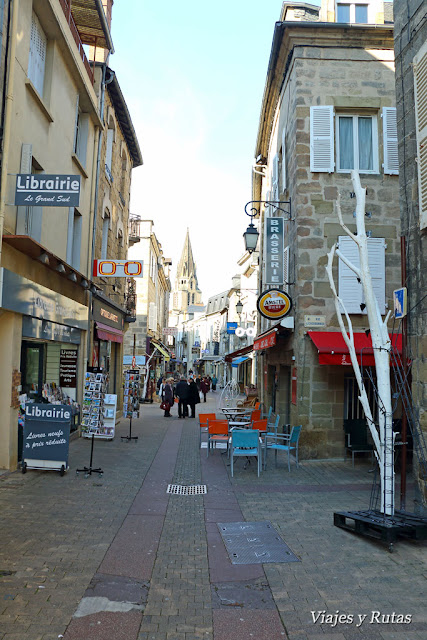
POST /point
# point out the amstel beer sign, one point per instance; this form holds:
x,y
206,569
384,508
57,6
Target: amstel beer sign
x,y
274,304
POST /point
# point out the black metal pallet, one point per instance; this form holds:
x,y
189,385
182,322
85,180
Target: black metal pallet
x,y
374,524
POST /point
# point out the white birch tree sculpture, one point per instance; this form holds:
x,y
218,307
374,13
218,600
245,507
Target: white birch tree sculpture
x,y
383,438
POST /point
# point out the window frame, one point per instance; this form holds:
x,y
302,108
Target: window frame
x,y
375,142
352,6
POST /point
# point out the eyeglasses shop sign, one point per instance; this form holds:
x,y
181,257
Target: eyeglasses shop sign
x,y
43,190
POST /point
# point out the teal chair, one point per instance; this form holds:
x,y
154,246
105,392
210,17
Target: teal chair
x,y
286,443
245,443
273,426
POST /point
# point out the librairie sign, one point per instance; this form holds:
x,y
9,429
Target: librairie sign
x,y
46,435
43,190
118,268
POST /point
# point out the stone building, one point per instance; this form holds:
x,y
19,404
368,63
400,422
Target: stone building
x,y
410,43
45,251
186,292
152,298
328,107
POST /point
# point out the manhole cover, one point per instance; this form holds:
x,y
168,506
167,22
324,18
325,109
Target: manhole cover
x,y
254,543
189,490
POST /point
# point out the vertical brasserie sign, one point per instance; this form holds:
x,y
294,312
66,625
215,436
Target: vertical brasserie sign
x,y
274,252
43,190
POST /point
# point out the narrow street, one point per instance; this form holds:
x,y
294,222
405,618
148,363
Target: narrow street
x,y
117,558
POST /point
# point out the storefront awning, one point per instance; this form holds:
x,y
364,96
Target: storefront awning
x,y
265,340
161,347
111,334
333,350
239,360
239,352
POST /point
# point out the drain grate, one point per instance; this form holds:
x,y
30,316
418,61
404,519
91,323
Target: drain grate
x,y
187,490
254,543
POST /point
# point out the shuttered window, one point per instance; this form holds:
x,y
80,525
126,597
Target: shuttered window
x,y
391,158
420,85
152,317
37,58
349,289
322,139
275,179
284,187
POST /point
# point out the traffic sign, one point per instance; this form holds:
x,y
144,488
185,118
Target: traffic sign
x,y
400,302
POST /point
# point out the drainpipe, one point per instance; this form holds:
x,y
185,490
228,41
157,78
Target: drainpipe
x,y
8,109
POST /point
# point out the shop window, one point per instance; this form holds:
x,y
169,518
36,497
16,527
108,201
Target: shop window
x,y
37,58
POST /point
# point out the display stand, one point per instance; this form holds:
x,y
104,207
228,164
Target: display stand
x,y
89,470
131,400
95,408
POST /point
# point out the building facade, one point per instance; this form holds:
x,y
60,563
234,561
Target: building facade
x,y
152,299
328,108
410,38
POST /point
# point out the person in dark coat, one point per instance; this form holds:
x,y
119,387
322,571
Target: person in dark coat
x,y
182,393
204,387
198,382
193,397
167,396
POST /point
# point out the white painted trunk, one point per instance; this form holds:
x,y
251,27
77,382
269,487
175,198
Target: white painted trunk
x,y
384,440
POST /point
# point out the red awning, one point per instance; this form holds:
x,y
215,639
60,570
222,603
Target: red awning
x,y
333,350
265,340
111,334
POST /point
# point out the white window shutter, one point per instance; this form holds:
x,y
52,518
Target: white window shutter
x,y
275,178
322,139
152,320
286,270
37,59
349,289
376,259
284,187
420,86
391,158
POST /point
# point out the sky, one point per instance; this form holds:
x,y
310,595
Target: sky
x,y
193,73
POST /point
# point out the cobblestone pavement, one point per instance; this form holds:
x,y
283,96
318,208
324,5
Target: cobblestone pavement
x,y
117,558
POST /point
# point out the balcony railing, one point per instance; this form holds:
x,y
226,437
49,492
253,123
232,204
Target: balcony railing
x,y
134,228
75,33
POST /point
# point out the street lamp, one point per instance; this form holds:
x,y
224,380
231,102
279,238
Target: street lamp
x,y
251,234
239,308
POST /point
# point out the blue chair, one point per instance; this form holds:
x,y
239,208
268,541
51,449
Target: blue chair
x,y
285,443
268,416
246,443
273,426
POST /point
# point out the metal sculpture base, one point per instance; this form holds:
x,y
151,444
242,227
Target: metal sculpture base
x,y
130,436
89,470
375,524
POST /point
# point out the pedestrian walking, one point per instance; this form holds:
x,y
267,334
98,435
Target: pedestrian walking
x,y
182,393
214,383
167,397
193,397
204,388
198,382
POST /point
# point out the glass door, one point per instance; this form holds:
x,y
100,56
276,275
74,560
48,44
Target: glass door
x,y
32,367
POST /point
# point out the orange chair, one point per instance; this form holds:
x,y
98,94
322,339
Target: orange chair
x,y
257,406
256,415
203,422
217,432
261,425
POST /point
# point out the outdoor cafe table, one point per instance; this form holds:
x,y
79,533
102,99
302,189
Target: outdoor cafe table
x,y
232,413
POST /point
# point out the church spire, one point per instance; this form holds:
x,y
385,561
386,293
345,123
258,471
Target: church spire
x,y
186,292
186,265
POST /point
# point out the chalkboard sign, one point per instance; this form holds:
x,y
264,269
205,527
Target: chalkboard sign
x,y
46,435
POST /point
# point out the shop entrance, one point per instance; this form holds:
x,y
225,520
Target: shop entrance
x,y
33,368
